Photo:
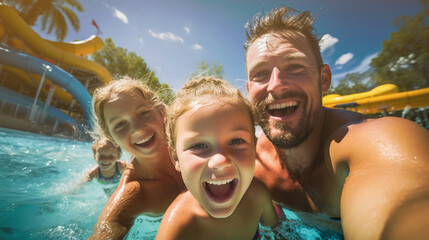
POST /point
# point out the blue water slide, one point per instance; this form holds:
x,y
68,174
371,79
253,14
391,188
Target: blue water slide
x,y
11,96
16,59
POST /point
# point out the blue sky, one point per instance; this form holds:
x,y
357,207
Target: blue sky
x,y
173,36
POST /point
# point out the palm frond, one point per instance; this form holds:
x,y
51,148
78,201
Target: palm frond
x,y
72,17
60,24
74,4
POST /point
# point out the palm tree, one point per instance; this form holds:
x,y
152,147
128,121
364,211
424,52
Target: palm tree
x,y
53,14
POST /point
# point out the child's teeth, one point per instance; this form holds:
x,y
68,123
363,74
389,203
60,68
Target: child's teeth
x,y
144,140
221,182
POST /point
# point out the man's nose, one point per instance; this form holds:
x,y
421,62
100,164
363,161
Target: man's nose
x,y
276,83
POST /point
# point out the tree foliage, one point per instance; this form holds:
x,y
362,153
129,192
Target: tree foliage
x,y
205,69
404,59
54,14
119,62
352,83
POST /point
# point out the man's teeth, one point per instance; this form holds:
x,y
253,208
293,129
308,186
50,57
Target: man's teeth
x,y
282,105
144,140
221,182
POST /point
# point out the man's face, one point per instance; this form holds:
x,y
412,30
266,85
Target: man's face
x,y
284,82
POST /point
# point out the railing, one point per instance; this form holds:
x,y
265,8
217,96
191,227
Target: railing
x,y
41,118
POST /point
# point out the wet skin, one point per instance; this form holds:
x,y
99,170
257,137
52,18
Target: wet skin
x,y
216,156
150,182
331,161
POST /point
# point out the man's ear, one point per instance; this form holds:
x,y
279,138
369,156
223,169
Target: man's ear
x,y
174,159
325,78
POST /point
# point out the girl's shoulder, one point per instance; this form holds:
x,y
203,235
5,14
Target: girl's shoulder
x,y
122,165
93,172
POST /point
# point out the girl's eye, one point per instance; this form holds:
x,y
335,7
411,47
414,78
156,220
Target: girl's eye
x,y
198,146
142,113
119,125
237,141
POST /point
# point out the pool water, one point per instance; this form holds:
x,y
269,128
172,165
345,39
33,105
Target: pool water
x,y
38,200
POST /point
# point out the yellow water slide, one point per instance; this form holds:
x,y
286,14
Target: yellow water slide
x,y
78,48
58,92
393,102
18,27
335,99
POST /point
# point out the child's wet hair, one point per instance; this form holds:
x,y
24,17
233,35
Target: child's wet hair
x,y
104,94
102,141
200,92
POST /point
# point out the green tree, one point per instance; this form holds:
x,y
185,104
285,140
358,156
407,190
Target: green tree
x,y
205,69
119,62
404,59
352,83
54,14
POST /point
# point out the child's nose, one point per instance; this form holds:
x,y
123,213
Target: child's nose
x,y
136,127
219,161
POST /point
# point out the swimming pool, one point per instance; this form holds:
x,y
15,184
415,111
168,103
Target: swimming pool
x,y
36,173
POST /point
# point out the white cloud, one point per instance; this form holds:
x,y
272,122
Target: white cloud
x,y
187,30
141,40
197,47
120,15
327,41
157,69
363,66
344,59
167,35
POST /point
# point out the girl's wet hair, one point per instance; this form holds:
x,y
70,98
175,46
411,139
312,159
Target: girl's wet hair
x,y
104,94
102,141
199,92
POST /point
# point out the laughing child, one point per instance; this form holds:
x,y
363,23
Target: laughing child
x,y
109,169
211,134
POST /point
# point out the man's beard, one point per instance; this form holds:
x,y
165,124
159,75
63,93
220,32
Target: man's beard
x,y
281,134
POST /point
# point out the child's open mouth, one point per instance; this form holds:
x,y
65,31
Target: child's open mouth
x,y
106,164
146,142
220,191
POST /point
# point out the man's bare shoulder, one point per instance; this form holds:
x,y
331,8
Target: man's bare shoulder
x,y
377,139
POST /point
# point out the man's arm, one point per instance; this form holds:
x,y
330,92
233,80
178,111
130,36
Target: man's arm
x,y
386,191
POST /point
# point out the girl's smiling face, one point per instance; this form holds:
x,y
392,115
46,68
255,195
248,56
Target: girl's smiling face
x,y
135,125
215,150
106,156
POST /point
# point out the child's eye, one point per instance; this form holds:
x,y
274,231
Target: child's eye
x,y
118,125
198,146
237,141
142,113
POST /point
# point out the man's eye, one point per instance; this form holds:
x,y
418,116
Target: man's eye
x,y
198,146
237,141
294,67
259,76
